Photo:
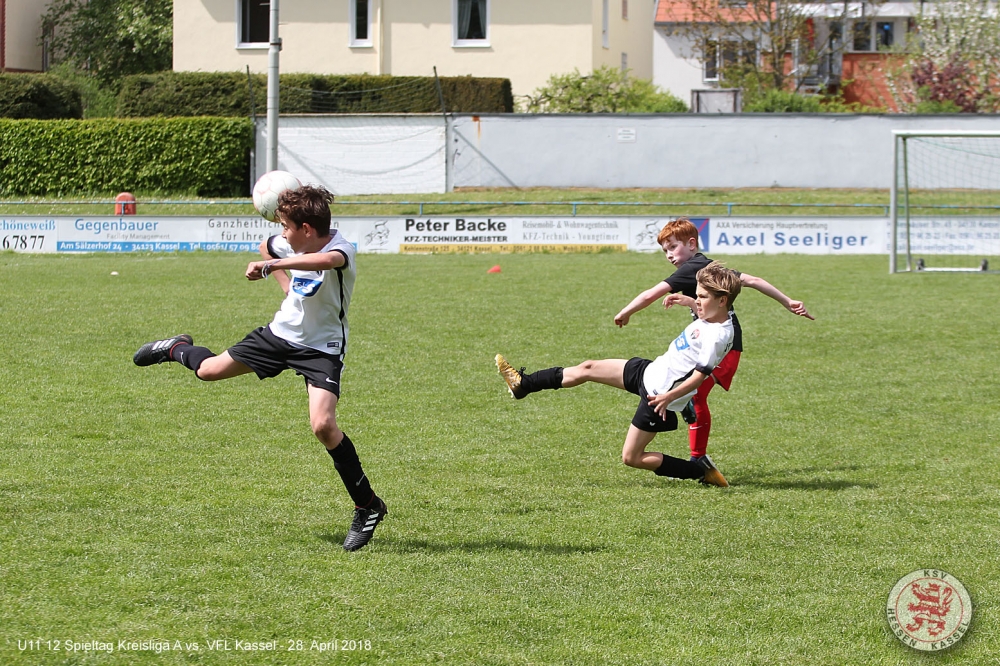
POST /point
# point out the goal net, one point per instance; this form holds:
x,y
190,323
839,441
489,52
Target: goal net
x,y
945,201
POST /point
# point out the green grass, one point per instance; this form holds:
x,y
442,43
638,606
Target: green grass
x,y
140,503
470,201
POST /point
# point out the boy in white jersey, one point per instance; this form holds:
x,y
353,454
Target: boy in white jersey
x,y
665,385
308,335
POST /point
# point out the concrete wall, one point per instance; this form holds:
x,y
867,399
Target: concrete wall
x,y
685,150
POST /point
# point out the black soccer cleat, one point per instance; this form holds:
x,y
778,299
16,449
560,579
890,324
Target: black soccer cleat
x,y
363,526
158,351
688,413
713,477
514,378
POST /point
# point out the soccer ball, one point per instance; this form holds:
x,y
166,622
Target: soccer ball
x,y
268,188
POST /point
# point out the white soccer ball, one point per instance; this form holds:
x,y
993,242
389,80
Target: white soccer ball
x,y
268,188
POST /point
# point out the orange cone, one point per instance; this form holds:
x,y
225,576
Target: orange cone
x,y
495,269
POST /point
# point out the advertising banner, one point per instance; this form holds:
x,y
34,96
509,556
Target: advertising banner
x,y
466,234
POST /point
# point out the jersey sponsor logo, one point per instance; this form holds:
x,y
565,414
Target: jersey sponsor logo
x,y
681,343
695,333
306,287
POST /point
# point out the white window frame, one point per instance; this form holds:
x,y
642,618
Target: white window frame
x,y
240,44
352,18
469,43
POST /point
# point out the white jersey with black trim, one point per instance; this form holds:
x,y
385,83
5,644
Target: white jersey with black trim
x,y
314,313
700,347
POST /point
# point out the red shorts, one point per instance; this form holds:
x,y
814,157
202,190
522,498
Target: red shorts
x,y
723,373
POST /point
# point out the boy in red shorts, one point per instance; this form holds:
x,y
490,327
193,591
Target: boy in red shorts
x,y
679,241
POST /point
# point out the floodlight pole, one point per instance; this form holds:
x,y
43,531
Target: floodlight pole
x,y
272,90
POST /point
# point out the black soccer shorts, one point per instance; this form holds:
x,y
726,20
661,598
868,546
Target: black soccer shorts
x,y
268,356
645,417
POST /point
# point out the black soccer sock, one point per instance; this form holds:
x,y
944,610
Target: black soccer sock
x,y
677,468
348,465
549,378
190,356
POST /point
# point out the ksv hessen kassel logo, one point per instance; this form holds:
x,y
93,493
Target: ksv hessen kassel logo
x,y
929,610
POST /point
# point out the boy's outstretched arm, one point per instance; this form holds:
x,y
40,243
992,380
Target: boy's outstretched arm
x,y
768,289
281,277
641,301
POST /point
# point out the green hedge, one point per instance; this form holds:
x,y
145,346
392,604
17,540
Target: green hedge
x,y
38,96
195,156
174,94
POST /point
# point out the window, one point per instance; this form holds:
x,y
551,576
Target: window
x,y
605,19
625,10
255,21
862,36
718,56
624,62
361,22
472,21
884,32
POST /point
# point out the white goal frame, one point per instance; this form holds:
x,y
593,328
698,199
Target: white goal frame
x,y
899,138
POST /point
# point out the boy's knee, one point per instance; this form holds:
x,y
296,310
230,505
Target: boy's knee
x,y
630,459
325,428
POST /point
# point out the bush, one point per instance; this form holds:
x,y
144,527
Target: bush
x,y
194,156
38,96
227,94
783,101
605,90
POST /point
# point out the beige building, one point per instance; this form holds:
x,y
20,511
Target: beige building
x,y
21,35
525,41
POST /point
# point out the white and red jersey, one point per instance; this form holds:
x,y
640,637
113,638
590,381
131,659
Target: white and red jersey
x,y
314,313
700,347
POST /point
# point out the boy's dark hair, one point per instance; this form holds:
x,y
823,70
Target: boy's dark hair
x,y
309,203
720,281
682,229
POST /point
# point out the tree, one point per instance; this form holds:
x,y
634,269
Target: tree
x,y
761,45
111,38
606,90
951,63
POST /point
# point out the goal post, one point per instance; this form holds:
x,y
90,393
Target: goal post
x,y
944,205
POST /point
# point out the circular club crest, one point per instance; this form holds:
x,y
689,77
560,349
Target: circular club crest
x,y
929,610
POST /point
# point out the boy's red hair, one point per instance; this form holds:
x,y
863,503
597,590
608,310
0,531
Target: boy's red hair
x,y
681,229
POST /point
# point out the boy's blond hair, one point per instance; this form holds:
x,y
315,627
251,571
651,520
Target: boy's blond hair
x,y
682,229
720,281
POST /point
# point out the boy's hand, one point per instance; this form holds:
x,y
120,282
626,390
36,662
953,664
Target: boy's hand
x,y
796,307
255,270
678,299
659,403
621,319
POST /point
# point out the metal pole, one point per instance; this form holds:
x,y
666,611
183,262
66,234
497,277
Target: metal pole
x,y
893,204
272,90
906,203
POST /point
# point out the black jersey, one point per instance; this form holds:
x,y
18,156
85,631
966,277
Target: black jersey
x,y
684,281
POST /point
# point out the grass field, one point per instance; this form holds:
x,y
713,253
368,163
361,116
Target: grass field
x,y
139,504
529,201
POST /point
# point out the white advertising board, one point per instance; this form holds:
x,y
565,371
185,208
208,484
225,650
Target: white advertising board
x,y
426,234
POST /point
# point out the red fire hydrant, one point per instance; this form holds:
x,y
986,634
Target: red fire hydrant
x,y
125,204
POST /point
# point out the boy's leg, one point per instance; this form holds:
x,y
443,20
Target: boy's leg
x,y
702,469
369,508
634,452
201,360
607,371
699,431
